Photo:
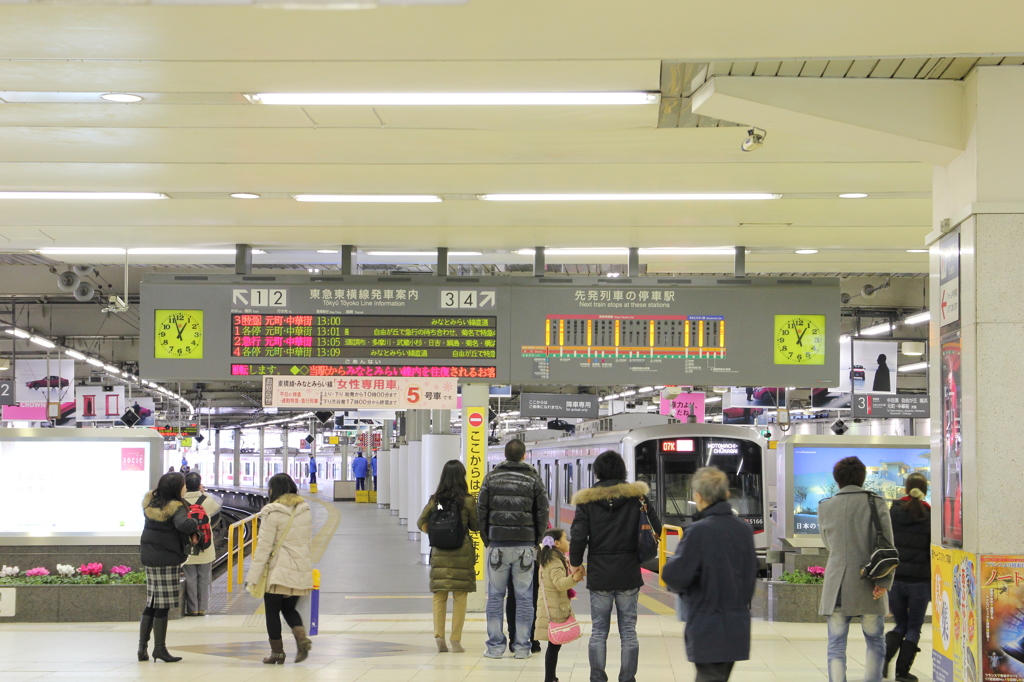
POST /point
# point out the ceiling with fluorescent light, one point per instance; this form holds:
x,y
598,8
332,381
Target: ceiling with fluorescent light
x,y
197,138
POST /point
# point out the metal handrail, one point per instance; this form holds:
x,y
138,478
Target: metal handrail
x,y
663,553
240,546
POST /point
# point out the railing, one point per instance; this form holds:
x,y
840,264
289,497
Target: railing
x,y
663,552
240,546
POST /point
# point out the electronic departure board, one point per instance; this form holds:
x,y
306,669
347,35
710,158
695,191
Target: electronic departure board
x,y
393,337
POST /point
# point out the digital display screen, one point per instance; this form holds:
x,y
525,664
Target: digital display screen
x,y
681,445
887,468
435,371
364,336
60,487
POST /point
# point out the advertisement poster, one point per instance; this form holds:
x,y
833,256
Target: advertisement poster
x,y
146,409
100,403
952,443
1002,618
955,600
399,393
682,405
475,426
37,382
949,279
754,397
870,369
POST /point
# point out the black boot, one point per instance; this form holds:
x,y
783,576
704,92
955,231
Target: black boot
x,y
908,651
893,640
145,628
160,652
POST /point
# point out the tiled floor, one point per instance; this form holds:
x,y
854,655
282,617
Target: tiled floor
x,y
390,648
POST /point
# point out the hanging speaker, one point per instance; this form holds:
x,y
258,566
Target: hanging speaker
x,y
200,438
323,416
84,292
83,270
67,281
309,439
130,419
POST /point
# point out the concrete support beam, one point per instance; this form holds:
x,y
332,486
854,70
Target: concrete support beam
x,y
538,262
740,262
243,259
441,270
348,253
633,267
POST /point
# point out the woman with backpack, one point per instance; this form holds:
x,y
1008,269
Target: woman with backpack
x,y
556,584
448,518
911,589
165,538
283,552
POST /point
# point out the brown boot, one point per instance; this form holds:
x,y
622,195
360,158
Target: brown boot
x,y
302,643
276,653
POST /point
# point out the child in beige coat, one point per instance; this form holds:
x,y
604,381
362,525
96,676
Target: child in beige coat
x,y
556,583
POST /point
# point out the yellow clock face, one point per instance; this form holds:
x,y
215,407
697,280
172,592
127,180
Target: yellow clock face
x,y
179,334
799,340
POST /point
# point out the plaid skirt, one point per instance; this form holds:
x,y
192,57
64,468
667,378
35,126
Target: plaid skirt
x,y
162,586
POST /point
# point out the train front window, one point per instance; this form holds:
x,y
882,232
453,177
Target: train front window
x,y
678,494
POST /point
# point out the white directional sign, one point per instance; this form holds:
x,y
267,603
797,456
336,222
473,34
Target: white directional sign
x,y
949,279
467,298
353,393
260,298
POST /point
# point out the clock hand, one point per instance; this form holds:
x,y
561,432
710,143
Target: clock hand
x,y
181,330
800,337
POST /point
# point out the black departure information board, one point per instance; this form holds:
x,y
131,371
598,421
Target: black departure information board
x,y
384,337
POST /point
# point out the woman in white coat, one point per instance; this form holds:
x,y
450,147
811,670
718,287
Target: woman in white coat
x,y
290,576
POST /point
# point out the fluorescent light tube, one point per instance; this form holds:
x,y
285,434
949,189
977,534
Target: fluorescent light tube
x,y
81,251
181,252
712,400
369,198
122,97
386,99
688,252
422,253
40,341
105,196
14,331
853,195
630,198
646,389
577,252
918,318
914,367
94,362
626,394
74,353
876,330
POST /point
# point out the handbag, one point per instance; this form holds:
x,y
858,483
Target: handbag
x,y
560,633
647,541
884,557
259,588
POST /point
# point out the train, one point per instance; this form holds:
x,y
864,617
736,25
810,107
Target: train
x,y
665,457
330,465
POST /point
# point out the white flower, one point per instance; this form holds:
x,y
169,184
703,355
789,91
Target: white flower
x,y
9,571
66,570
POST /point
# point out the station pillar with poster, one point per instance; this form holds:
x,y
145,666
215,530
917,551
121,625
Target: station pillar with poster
x,y
475,422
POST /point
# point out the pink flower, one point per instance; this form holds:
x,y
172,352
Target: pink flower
x,y
816,570
90,569
33,572
120,571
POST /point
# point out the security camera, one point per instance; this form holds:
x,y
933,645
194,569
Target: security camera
x,y
840,427
755,138
116,305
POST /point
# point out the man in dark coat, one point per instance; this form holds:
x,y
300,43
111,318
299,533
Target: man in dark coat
x,y
715,570
513,513
606,525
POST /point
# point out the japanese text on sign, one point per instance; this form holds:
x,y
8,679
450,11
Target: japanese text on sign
x,y
400,393
476,467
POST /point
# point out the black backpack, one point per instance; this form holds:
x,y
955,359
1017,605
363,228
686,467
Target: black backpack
x,y
444,525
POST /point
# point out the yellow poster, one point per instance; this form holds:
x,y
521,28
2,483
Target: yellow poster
x,y
954,615
475,424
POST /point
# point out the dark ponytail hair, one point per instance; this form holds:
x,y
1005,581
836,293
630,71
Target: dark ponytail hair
x,y
548,554
914,505
168,489
452,485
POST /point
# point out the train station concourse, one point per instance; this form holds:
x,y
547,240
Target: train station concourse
x,y
511,340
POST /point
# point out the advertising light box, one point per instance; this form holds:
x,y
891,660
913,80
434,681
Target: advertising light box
x,y
85,486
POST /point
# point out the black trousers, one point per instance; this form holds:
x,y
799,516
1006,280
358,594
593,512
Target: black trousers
x,y
714,672
277,605
361,483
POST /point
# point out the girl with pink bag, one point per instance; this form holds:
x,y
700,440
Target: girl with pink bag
x,y
555,621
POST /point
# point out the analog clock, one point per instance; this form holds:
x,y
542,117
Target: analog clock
x,y
799,340
179,334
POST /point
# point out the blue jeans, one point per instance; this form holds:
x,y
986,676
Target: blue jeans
x,y
625,603
908,603
505,564
838,629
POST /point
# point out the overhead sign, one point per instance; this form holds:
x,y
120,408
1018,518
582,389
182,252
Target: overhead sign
x,y
949,279
7,392
891,407
558,405
397,393
178,430
683,405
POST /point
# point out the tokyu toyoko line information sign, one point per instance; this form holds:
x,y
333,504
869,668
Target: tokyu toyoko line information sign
x,y
397,393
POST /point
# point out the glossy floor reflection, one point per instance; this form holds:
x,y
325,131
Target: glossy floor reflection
x,y
391,648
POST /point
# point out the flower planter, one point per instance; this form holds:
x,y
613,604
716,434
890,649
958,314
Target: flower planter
x,y
783,602
76,603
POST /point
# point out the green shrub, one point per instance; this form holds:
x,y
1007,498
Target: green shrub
x,y
801,578
133,578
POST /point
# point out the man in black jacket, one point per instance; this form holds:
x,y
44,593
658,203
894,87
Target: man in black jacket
x,y
607,523
513,512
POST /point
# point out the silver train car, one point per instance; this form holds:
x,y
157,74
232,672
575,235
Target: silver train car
x,y
665,457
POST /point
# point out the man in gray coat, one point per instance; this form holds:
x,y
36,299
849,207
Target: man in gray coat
x,y
848,533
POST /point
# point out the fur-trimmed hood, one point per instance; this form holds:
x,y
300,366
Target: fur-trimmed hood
x,y
163,513
289,500
614,490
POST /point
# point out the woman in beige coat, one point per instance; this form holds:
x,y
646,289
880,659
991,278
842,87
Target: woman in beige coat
x,y
553,605
291,567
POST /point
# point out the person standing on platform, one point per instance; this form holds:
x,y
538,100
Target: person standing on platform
x,y
199,567
847,530
286,519
312,471
359,465
714,571
163,551
451,570
557,582
911,590
607,522
373,467
513,513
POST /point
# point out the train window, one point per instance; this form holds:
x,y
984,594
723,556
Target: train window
x,y
590,475
579,475
248,468
567,470
547,481
678,494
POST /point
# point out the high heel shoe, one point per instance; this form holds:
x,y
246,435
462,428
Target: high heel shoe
x,y
302,643
277,655
160,652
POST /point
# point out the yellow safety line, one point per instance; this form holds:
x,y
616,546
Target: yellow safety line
x,y
656,606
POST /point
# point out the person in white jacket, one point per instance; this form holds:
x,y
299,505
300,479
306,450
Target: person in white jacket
x,y
291,567
199,567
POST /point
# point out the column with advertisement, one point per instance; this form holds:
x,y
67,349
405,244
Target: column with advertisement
x,y
954,608
1002,618
475,402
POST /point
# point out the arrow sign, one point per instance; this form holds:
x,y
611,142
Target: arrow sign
x,y
239,296
486,299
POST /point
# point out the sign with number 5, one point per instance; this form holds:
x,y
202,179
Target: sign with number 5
x,y
347,393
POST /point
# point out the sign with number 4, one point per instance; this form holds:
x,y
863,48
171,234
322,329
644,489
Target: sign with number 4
x,y
467,298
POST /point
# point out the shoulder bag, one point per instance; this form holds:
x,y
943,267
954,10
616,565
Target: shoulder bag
x,y
259,588
560,633
884,557
647,541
